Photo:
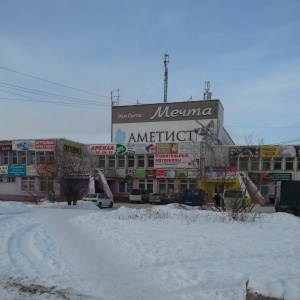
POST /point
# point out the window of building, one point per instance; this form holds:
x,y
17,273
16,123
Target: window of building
x,y
244,163
5,158
111,161
141,161
14,158
125,187
51,157
150,161
101,161
130,159
41,157
46,185
23,158
146,185
298,164
266,164
219,188
165,186
233,162
121,161
27,184
289,164
32,157
255,164
187,184
277,163
1,179
11,179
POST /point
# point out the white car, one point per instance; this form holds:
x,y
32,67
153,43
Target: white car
x,y
99,199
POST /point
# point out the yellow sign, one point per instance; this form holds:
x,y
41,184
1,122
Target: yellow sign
x,y
269,151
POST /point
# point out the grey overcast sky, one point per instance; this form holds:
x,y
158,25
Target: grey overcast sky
x,y
60,60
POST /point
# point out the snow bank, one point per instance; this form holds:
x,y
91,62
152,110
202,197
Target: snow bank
x,y
11,207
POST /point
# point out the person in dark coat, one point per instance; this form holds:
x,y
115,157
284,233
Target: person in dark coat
x,y
217,199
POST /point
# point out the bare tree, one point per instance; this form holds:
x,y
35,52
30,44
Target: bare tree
x,y
69,171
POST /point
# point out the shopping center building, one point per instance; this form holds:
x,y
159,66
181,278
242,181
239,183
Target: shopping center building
x,y
162,147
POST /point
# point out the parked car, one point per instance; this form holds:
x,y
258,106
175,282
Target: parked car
x,y
193,197
175,198
99,199
139,195
159,198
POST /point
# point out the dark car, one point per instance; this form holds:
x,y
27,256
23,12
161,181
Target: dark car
x,y
159,198
175,198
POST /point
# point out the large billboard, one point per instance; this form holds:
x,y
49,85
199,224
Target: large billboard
x,y
166,122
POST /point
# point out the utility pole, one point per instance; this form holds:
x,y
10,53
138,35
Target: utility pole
x,y
166,61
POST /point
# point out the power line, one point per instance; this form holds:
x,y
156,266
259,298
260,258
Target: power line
x,y
37,92
66,86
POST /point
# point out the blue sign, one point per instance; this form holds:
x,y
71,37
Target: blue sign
x,y
17,170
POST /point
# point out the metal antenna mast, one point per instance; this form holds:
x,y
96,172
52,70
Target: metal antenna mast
x,y
115,97
166,61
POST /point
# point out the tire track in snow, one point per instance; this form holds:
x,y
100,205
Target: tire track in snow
x,y
31,251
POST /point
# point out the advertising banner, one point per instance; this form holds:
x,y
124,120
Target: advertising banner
x,y
243,151
193,174
150,173
191,147
45,145
16,170
120,173
130,173
160,173
31,171
166,148
5,145
135,148
23,145
227,173
180,160
269,151
71,148
101,149
3,170
140,174
287,151
181,173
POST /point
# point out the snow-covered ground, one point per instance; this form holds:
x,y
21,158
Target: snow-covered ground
x,y
52,251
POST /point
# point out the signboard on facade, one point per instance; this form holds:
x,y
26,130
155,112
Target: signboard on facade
x,y
297,151
31,171
141,174
101,149
135,148
269,151
5,145
266,177
17,170
243,151
71,148
45,145
180,160
23,145
3,170
166,122
228,173
150,173
287,151
120,173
